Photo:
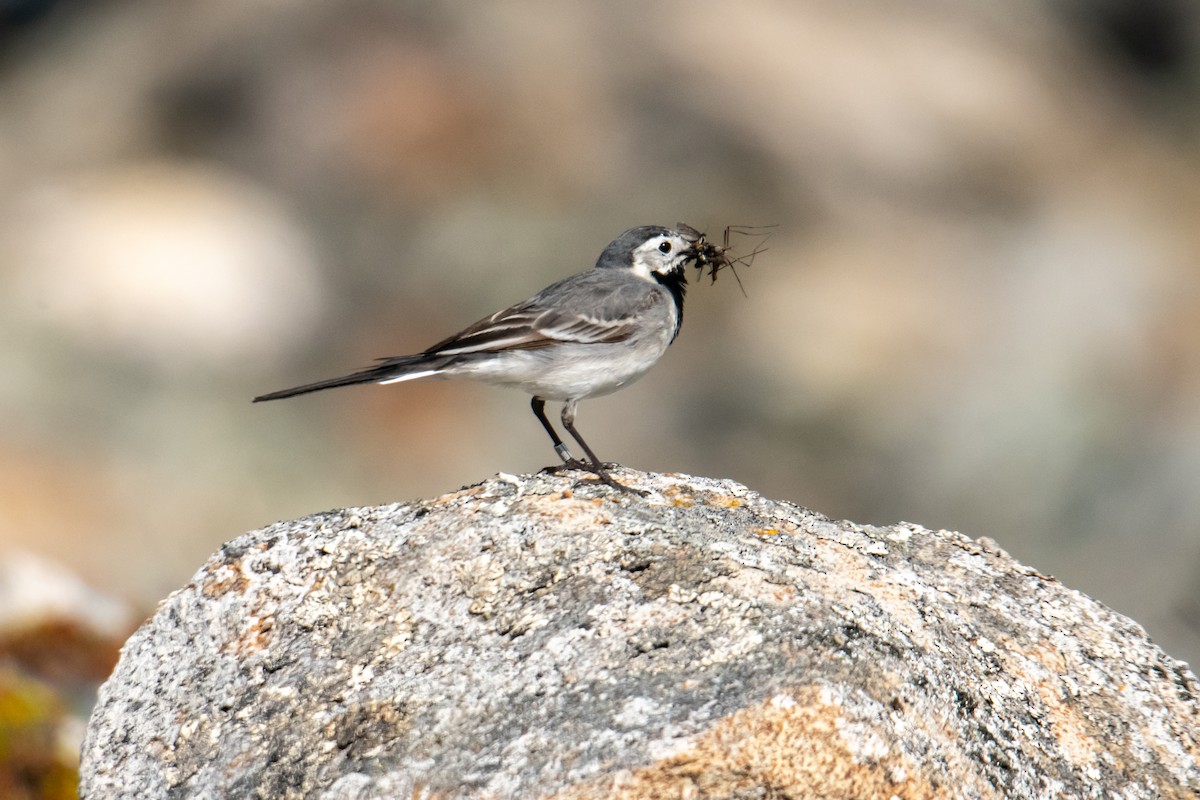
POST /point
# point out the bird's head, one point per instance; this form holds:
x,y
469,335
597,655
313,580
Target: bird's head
x,y
651,252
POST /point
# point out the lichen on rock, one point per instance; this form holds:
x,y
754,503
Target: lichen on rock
x,y
529,637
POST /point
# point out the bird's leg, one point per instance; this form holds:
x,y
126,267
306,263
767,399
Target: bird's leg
x,y
597,466
539,411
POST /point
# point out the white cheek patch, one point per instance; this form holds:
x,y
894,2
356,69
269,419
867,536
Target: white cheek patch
x,y
642,264
648,260
641,268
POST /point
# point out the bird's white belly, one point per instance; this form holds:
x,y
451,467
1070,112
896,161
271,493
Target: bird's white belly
x,y
572,372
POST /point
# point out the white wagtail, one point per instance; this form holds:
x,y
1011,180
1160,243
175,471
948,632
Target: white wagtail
x,y
584,336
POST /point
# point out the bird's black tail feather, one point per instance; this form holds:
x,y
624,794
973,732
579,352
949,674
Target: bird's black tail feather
x,y
391,368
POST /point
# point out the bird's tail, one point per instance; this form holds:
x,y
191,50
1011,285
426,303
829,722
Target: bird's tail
x,y
391,370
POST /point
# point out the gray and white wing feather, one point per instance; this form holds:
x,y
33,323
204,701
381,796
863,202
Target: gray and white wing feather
x,y
583,309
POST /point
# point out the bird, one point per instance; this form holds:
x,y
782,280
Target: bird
x,y
584,336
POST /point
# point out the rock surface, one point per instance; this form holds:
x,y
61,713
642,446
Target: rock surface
x,y
533,638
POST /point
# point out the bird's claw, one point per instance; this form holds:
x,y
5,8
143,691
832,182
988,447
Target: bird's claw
x,y
567,466
600,471
608,480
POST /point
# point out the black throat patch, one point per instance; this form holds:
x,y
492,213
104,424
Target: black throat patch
x,y
675,282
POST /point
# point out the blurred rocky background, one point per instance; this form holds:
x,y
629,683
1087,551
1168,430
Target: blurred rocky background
x,y
980,311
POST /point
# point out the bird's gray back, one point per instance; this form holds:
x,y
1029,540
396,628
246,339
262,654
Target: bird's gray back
x,y
604,295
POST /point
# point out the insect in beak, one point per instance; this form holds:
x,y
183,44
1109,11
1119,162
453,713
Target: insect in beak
x,y
715,257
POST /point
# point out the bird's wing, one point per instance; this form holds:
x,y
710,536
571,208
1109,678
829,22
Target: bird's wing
x,y
531,329
611,316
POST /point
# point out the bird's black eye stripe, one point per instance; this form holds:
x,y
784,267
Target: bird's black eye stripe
x,y
665,247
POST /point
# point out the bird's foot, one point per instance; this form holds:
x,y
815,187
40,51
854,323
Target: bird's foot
x,y
603,476
600,471
566,466
608,480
